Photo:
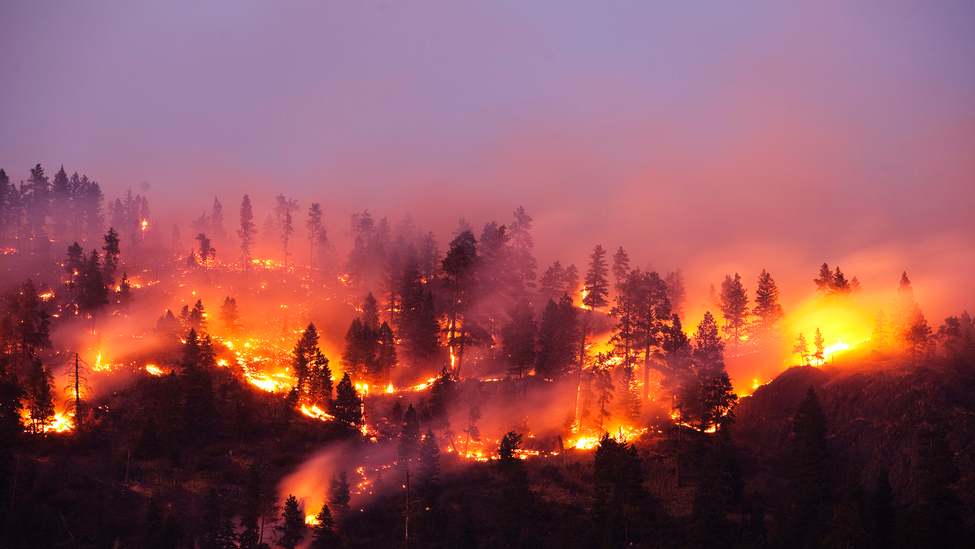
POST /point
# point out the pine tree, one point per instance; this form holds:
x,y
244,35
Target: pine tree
x,y
293,529
314,226
552,283
819,355
676,293
809,478
628,399
558,337
112,253
801,348
347,405
733,300
768,313
409,438
229,314
516,498
92,289
60,205
459,281
597,288
386,358
247,230
323,535
250,511
217,229
621,267
428,464
522,259
518,339
339,495
287,229
207,251
40,396
303,357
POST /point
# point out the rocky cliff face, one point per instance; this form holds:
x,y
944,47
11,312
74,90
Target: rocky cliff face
x,y
874,409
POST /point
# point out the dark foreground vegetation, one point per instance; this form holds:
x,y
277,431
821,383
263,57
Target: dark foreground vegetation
x,y
879,457
180,448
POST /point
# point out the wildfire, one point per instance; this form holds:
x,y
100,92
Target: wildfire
x,y
389,389
316,412
311,520
154,370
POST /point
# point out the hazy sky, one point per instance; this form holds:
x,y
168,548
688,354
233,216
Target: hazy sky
x,y
714,136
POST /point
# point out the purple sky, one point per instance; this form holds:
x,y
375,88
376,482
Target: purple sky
x,y
716,137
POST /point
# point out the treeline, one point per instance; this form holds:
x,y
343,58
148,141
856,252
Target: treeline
x,y
66,208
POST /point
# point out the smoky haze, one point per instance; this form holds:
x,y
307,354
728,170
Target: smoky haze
x,y
714,139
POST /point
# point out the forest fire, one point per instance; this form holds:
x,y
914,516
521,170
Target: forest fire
x,y
582,378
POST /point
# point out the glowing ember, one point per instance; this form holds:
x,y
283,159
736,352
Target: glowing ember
x,y
316,412
838,346
389,389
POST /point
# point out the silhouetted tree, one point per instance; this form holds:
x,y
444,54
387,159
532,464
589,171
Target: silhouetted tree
x,y
207,251
229,314
558,337
40,396
293,524
801,348
459,283
314,226
819,355
339,495
522,259
518,338
347,405
247,230
112,253
621,266
733,300
596,288
809,479
323,535
768,313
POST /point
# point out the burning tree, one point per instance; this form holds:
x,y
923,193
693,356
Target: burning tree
x,y
733,301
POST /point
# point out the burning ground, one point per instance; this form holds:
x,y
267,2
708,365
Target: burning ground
x,y
462,399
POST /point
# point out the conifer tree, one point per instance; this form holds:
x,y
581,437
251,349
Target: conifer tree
x,y
558,337
522,259
801,348
809,479
733,300
819,355
339,495
768,313
428,463
386,356
518,339
314,226
676,293
347,405
552,283
112,252
323,535
409,438
621,267
229,314
40,396
596,287
207,251
247,230
293,527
